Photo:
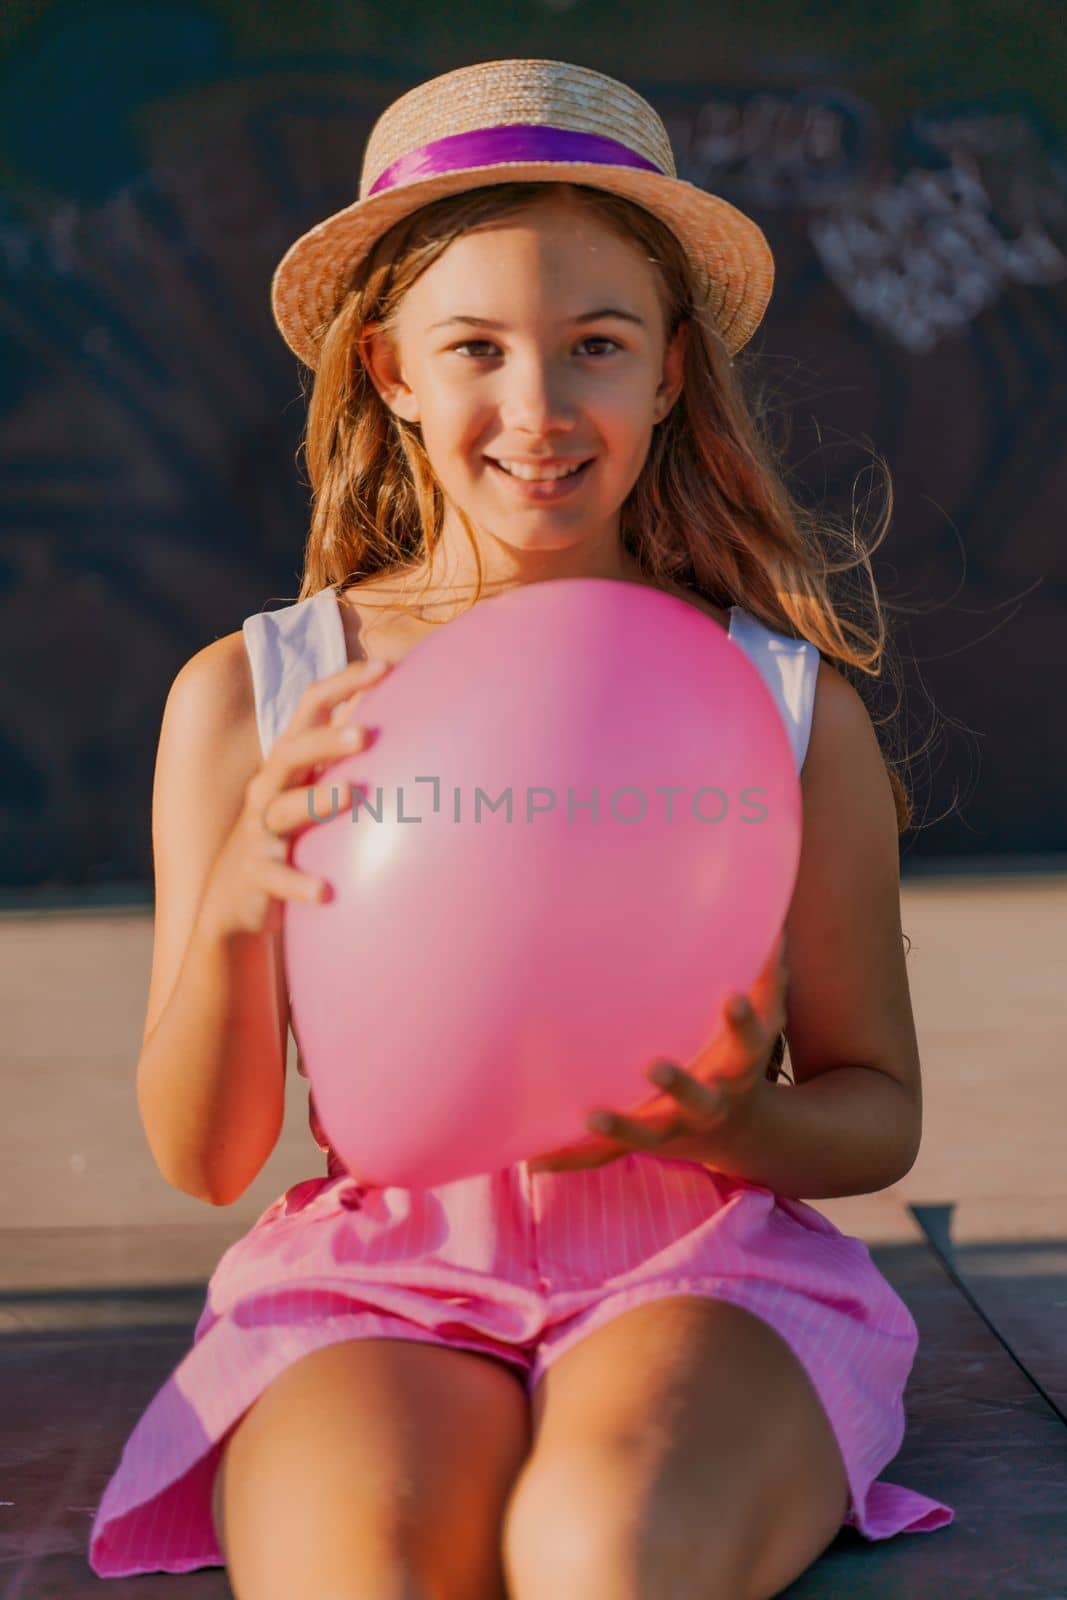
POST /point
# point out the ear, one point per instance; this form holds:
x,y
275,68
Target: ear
x,y
381,358
670,386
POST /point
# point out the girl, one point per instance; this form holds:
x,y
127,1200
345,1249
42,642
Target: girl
x,y
522,335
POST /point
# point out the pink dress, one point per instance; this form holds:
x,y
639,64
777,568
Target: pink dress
x,y
514,1264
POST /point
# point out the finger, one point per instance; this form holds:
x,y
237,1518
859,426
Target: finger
x,y
660,1111
319,697
570,1152
573,1163
293,808
744,1040
747,1027
631,1134
642,1132
575,1157
291,759
296,809
766,998
704,1100
287,883
289,766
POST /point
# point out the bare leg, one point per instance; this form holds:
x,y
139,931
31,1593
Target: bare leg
x,y
679,1450
373,1467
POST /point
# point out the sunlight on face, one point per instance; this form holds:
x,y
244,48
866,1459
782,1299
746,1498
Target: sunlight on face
x,y
546,380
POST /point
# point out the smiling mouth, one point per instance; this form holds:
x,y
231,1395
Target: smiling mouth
x,y
563,477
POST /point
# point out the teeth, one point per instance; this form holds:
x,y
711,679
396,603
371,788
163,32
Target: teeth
x,y
518,469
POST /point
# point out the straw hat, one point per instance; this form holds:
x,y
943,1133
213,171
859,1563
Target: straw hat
x,y
521,121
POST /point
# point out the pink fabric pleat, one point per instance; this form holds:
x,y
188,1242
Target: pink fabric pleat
x,y
519,1266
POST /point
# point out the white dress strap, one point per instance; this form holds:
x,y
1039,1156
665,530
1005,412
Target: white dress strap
x,y
288,649
789,668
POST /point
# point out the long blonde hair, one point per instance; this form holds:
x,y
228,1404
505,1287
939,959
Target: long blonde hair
x,y
710,512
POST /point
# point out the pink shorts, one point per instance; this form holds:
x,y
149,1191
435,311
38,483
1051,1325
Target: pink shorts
x,y
519,1266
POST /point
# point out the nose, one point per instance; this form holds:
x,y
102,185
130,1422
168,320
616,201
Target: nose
x,y
537,397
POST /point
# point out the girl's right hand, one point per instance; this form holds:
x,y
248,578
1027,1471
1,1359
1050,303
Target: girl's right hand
x,y
251,877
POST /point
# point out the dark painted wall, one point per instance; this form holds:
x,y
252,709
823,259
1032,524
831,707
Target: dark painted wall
x,y
905,162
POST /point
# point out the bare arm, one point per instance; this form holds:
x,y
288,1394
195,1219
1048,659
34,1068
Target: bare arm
x,y
853,1122
849,1130
211,1074
213,1055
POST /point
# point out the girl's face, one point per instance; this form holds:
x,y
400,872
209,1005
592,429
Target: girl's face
x,y
568,363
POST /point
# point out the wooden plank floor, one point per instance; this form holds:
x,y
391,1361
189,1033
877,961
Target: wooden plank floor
x,y
983,1437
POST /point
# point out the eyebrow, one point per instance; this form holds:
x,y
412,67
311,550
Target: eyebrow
x,y
587,316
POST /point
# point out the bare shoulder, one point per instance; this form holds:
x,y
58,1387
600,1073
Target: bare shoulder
x,y
848,1000
211,707
208,751
217,680
843,746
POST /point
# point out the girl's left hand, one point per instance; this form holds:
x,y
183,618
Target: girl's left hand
x,y
702,1103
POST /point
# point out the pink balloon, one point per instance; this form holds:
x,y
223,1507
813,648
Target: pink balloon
x,y
480,982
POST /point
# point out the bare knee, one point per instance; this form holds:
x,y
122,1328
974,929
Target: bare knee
x,y
374,1467
585,1522
575,1526
572,1527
